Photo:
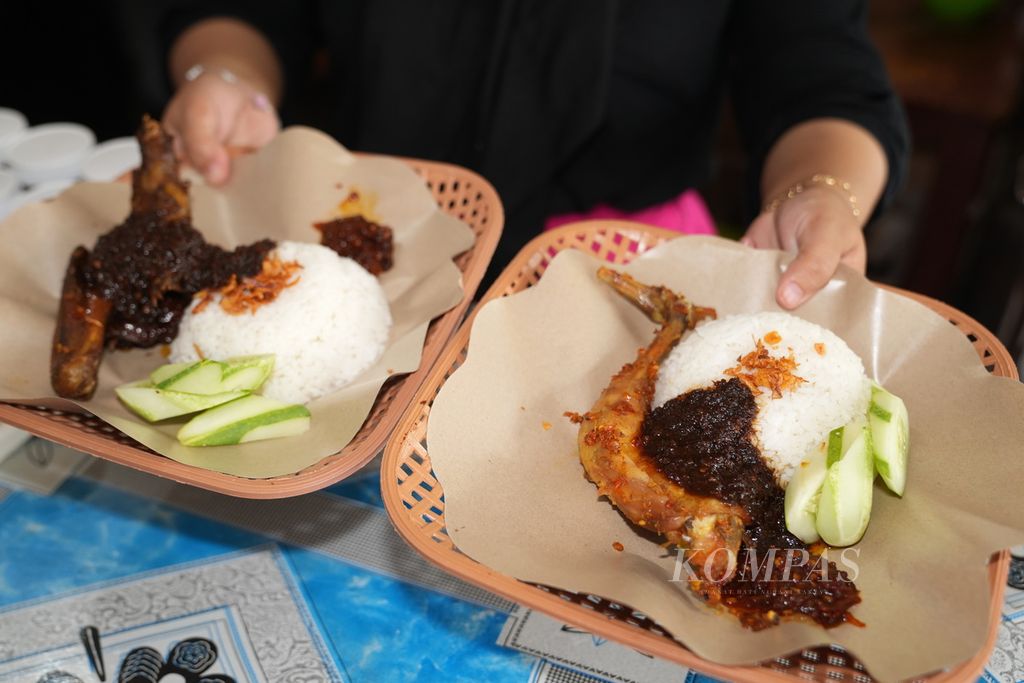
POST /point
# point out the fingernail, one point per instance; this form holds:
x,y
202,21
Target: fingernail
x,y
214,173
746,241
792,295
260,101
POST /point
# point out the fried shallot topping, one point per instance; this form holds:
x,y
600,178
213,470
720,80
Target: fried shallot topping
x,y
203,297
249,293
760,369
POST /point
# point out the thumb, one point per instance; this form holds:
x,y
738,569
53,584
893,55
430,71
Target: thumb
x,y
816,262
203,147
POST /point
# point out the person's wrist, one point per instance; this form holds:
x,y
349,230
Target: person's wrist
x,y
257,97
818,183
816,209
229,43
198,69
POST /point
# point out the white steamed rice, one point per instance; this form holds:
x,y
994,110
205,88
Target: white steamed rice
x,y
788,428
323,331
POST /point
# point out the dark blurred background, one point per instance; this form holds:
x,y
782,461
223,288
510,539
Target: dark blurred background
x,y
955,231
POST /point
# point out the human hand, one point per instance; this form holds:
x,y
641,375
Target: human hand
x,y
210,115
819,226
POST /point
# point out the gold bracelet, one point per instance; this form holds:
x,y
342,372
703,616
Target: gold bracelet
x,y
816,179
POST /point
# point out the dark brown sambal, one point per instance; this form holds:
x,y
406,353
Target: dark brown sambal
x,y
365,242
703,441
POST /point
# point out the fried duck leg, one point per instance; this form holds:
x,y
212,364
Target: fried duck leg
x,y
132,289
78,339
158,196
157,189
609,437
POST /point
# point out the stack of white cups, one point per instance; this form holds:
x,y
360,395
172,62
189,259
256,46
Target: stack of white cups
x,y
40,162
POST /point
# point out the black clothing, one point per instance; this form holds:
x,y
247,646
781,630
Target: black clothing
x,y
563,104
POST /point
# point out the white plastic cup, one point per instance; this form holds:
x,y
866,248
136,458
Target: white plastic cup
x,y
112,159
8,185
12,126
39,193
8,190
52,151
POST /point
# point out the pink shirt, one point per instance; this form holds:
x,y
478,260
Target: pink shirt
x,y
686,213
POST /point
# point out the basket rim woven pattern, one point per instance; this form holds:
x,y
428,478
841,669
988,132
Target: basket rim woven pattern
x,y
415,502
458,192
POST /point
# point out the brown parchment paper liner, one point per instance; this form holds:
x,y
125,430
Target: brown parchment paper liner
x,y
279,192
516,498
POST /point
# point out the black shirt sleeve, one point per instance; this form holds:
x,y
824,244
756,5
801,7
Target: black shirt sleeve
x,y
793,60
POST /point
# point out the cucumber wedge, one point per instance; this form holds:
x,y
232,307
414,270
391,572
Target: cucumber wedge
x,y
246,419
890,438
277,430
844,507
841,438
165,372
835,446
203,377
154,404
802,495
247,372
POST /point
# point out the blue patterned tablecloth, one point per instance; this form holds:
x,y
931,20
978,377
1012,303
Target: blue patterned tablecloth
x,y
306,589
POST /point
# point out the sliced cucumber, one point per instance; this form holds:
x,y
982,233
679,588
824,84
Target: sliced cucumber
x,y
835,446
165,372
203,377
247,372
890,438
154,404
844,507
853,431
246,419
841,438
285,427
802,495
